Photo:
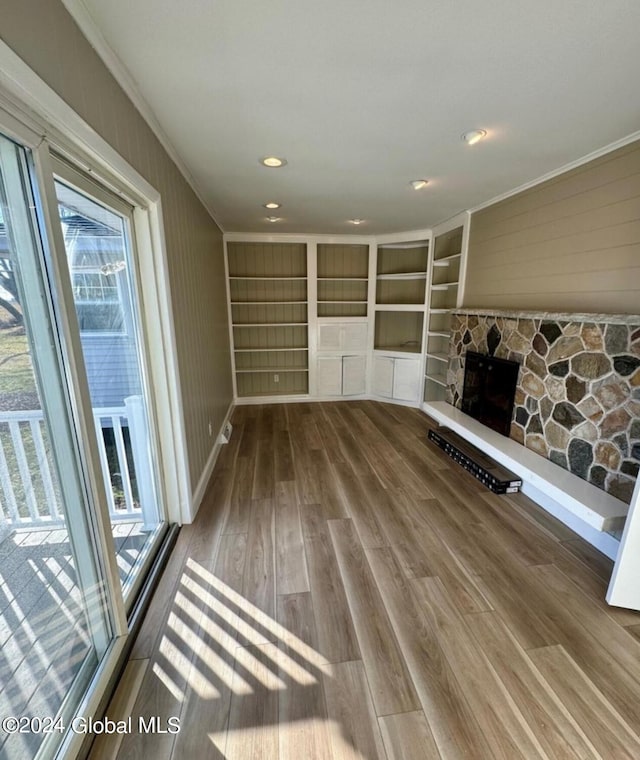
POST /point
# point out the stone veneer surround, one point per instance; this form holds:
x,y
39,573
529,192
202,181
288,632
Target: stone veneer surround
x,y
578,394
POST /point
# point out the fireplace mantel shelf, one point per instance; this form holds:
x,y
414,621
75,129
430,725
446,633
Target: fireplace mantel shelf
x,y
611,319
598,509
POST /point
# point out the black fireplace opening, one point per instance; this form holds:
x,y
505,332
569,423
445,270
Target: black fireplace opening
x,y
489,390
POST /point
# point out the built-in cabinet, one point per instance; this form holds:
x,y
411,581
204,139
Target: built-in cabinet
x,y
325,318
342,335
342,357
444,293
396,377
342,322
341,375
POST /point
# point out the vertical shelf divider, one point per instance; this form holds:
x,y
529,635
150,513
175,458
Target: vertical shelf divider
x,y
445,291
312,315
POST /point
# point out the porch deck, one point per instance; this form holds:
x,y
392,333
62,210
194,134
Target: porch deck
x,y
43,632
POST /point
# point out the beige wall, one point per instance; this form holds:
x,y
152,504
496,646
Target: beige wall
x,y
569,244
43,34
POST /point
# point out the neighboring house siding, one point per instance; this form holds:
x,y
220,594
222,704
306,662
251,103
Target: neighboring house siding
x,y
112,368
569,244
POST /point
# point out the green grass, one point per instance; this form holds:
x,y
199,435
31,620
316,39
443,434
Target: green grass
x,y
16,369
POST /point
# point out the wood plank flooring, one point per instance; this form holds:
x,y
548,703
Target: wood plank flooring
x,y
348,593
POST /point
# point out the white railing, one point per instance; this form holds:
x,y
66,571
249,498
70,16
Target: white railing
x,y
28,496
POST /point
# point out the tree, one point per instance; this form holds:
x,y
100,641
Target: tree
x,y
8,284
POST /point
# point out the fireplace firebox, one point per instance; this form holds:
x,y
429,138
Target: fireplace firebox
x,y
489,390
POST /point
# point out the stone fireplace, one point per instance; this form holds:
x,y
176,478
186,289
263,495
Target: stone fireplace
x,y
578,395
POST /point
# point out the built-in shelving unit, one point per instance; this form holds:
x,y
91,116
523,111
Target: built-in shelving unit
x,y
269,314
342,326
401,273
326,316
399,331
342,279
401,278
443,294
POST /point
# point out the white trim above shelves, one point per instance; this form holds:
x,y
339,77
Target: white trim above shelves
x,y
441,311
439,379
403,276
364,300
274,370
437,333
297,237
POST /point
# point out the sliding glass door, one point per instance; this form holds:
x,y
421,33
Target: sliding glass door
x,y
97,238
81,507
57,618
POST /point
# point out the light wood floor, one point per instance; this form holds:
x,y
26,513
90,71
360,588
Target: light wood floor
x,y
348,592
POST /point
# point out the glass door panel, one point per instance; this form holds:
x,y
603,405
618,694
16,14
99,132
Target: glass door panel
x,y
102,273
54,621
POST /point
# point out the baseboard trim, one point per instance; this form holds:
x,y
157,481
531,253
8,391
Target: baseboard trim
x,y
255,400
203,482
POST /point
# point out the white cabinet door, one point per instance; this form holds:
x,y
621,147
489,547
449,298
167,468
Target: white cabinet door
x,y
406,379
383,376
342,336
329,375
354,336
353,375
329,337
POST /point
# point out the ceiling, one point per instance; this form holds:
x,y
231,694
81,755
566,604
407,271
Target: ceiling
x,y
363,97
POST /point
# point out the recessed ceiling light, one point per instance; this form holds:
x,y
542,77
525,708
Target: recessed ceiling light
x,y
272,205
418,184
471,138
274,219
356,221
273,162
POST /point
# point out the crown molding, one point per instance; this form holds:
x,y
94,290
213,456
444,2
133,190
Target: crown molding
x,y
562,170
89,28
297,237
